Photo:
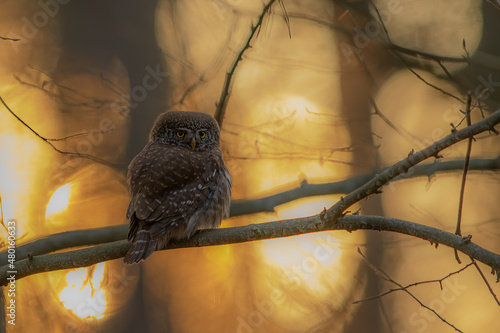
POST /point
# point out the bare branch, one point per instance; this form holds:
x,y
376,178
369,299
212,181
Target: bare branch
x,y
425,55
458,230
72,136
278,229
437,59
416,284
76,238
386,277
222,104
11,39
401,131
487,283
441,90
48,141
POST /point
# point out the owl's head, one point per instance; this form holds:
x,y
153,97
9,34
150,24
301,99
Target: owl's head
x,y
194,130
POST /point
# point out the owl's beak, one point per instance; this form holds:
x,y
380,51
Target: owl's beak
x,y
193,143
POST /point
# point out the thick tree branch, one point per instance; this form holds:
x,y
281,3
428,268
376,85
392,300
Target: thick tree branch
x,y
68,239
330,219
89,256
76,238
414,284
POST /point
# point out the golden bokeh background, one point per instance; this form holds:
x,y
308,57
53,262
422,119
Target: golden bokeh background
x,y
299,112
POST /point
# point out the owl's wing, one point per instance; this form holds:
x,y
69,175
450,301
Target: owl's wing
x,y
169,183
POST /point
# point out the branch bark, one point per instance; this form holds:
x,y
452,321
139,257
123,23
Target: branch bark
x,y
68,239
278,229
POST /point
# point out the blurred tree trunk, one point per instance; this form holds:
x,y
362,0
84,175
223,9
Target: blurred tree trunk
x,y
357,88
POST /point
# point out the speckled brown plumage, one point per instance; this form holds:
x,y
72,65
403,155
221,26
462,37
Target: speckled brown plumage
x,y
179,183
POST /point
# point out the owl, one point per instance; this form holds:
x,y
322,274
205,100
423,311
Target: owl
x,y
179,183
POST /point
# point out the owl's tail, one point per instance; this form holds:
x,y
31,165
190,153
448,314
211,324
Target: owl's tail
x,y
142,244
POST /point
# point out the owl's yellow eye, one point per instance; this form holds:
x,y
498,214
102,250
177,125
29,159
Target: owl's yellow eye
x,y
180,134
203,134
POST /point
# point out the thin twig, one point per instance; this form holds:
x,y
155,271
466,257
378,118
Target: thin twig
x,y
85,101
487,283
415,284
386,277
458,230
286,18
435,87
381,21
82,155
425,55
445,70
209,72
81,134
11,39
404,133
401,131
220,110
429,56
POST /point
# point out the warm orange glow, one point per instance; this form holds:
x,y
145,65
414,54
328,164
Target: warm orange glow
x,y
83,294
304,258
287,109
305,206
15,170
59,200
298,105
